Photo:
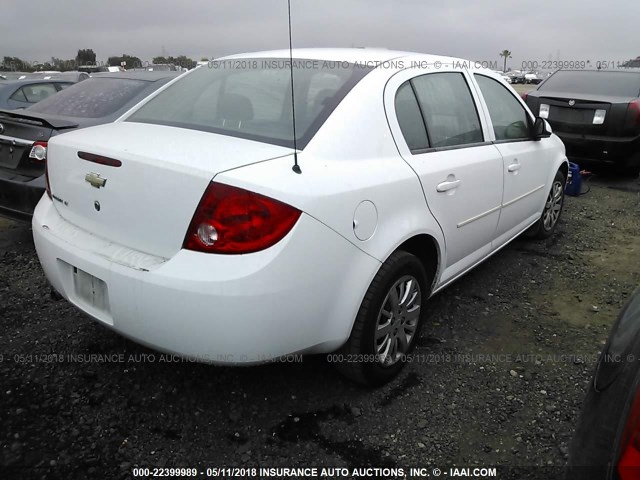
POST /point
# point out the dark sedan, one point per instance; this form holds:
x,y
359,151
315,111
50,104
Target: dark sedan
x,y
606,443
24,133
28,91
596,113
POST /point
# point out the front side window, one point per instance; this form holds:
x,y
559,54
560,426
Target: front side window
x,y
449,109
510,119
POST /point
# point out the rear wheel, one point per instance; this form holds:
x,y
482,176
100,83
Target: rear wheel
x,y
388,322
545,226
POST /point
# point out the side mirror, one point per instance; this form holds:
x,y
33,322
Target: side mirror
x,y
541,129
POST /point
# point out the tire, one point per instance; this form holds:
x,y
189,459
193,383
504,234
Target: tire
x,y
375,353
550,217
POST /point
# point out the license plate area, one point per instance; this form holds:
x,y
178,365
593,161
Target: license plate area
x,y
88,292
90,289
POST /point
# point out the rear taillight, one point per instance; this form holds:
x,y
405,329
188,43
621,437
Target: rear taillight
x,y
629,459
633,113
524,96
231,220
38,151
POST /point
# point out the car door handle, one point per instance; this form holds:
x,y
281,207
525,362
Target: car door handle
x,y
448,185
514,167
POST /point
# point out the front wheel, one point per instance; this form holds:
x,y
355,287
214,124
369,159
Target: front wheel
x,y
548,221
388,322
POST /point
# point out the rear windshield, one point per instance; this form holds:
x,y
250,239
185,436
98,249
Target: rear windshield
x,y
92,98
251,98
619,84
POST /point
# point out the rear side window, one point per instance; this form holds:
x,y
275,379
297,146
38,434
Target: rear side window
x,y
622,84
448,109
18,96
38,91
410,118
510,119
92,98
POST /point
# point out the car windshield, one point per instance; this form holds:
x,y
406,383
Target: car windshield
x,y
92,98
622,84
251,98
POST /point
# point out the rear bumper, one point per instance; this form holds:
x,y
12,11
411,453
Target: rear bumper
x,y
301,295
18,198
619,151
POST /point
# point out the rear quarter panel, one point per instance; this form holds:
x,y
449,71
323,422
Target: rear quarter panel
x,y
351,159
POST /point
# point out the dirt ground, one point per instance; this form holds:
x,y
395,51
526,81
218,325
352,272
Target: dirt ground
x,y
498,379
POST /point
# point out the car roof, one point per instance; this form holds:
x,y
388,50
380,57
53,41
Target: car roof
x,y
347,55
137,75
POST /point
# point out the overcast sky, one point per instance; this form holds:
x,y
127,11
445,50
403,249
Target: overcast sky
x,y
592,30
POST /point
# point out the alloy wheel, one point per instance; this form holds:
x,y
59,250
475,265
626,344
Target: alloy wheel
x,y
553,207
398,320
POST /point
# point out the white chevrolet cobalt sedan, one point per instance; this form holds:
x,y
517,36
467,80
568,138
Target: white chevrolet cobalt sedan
x,y
199,224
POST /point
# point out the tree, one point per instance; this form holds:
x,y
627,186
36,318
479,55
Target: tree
x,y
131,61
86,57
184,61
181,61
15,64
506,54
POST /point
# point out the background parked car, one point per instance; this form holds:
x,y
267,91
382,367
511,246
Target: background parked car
x,y
24,93
516,76
596,113
13,75
532,78
505,76
606,443
24,134
73,76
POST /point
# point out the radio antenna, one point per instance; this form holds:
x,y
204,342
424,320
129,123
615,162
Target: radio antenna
x,y
296,167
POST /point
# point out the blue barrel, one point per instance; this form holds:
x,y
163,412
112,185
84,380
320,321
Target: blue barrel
x,y
574,181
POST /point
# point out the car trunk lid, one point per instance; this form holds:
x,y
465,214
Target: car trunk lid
x,y
19,131
578,115
147,202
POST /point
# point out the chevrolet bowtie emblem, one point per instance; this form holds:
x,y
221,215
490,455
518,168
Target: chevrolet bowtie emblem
x,y
95,180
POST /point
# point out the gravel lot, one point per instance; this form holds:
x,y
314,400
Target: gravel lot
x,y
499,377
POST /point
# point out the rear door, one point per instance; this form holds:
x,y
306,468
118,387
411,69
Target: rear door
x,y
526,162
439,133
